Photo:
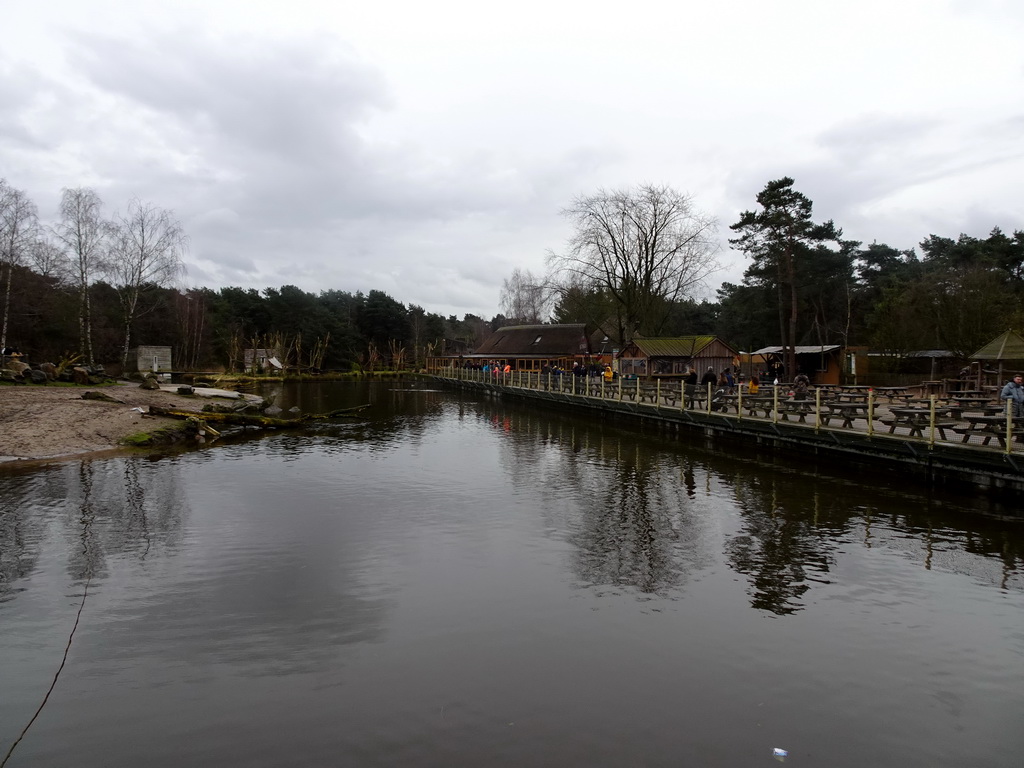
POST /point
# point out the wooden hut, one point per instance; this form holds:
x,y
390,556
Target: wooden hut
x,y
149,359
821,363
1004,351
670,358
262,360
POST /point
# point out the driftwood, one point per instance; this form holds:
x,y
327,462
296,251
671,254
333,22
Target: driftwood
x,y
90,395
246,420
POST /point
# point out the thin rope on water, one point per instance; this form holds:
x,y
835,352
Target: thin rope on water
x,y
63,661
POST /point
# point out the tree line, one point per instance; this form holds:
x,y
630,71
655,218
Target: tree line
x,y
639,257
86,288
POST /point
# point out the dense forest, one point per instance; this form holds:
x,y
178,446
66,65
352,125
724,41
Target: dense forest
x,y
85,289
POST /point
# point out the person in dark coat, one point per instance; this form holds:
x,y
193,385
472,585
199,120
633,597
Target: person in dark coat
x,y
800,385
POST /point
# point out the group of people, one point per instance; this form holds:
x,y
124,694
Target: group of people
x,y
496,368
729,381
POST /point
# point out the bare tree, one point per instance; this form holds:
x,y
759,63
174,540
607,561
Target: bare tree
x,y
146,251
19,222
46,258
83,233
645,247
525,299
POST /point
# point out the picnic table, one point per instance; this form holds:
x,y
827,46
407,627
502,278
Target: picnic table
x,y
894,393
798,408
991,409
990,426
851,397
848,412
852,389
916,420
752,404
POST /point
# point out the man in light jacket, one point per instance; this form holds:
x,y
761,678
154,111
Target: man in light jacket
x,y
1014,392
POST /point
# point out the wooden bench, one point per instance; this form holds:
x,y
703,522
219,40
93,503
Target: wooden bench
x,y
917,425
800,409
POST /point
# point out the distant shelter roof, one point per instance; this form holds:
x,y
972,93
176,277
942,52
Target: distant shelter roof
x,y
811,349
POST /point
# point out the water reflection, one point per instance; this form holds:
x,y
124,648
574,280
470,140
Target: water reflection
x,y
465,581
102,509
635,517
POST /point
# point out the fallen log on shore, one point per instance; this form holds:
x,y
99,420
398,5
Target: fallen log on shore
x,y
248,420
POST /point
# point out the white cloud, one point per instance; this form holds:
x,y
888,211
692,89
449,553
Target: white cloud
x,y
426,150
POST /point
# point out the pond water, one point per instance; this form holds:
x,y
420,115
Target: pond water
x,y
451,580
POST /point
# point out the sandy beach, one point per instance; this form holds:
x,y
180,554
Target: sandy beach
x,y
43,422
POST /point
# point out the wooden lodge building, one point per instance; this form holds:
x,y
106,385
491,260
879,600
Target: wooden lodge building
x,y
525,348
531,347
670,358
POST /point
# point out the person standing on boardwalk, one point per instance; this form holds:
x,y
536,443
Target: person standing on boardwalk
x,y
709,378
800,385
1014,392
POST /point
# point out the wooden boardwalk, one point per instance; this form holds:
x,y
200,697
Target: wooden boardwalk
x,y
941,441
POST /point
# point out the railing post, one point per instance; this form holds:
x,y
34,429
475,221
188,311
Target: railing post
x,y
931,420
739,402
775,404
708,403
657,396
817,409
871,411
1009,425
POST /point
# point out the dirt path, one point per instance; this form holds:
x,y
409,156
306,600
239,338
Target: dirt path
x,y
47,422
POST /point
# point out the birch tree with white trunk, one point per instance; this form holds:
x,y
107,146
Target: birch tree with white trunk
x,y
19,222
146,251
83,233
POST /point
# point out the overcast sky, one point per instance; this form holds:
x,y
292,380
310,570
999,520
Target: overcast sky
x,y
426,149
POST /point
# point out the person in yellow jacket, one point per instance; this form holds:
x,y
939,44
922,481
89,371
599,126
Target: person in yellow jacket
x,y
754,385
608,373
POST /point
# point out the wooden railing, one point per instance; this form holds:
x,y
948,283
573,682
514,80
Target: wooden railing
x,y
888,413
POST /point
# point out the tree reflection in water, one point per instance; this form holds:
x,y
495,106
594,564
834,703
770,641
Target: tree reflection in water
x,y
636,517
105,508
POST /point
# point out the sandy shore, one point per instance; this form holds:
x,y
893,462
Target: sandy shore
x,y
48,422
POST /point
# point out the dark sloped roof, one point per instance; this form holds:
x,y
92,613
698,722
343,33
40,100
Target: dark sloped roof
x,y
568,339
800,349
1006,346
679,346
